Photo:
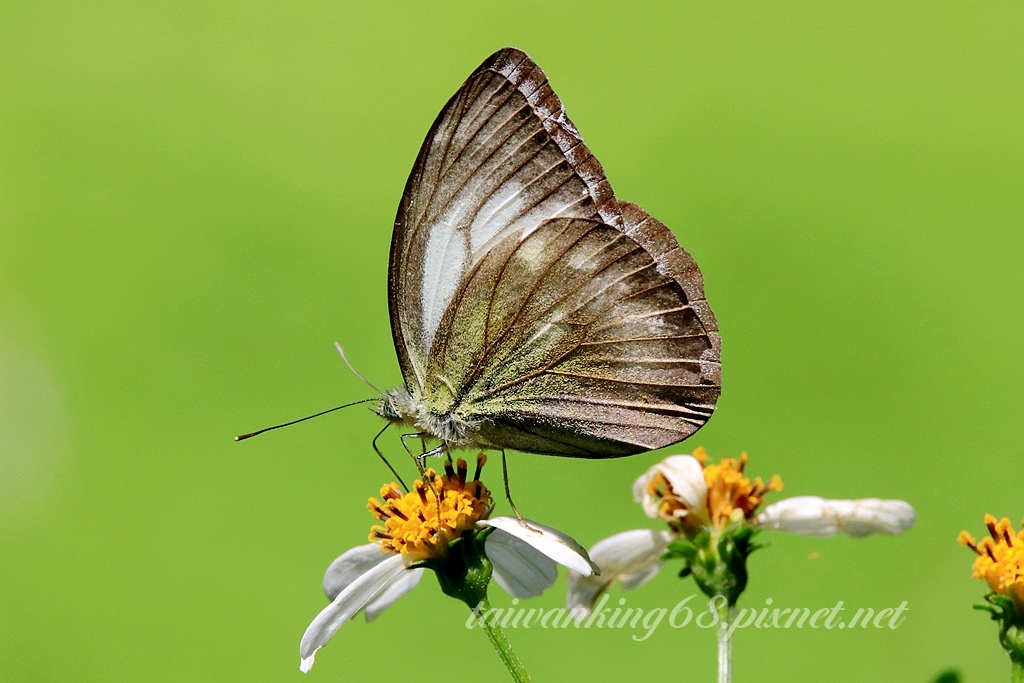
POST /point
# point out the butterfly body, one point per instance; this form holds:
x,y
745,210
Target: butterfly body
x,y
452,429
530,308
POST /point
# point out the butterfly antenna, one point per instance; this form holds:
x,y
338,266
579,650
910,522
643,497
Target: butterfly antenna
x,y
242,437
354,371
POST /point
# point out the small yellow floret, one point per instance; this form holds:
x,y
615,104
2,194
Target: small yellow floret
x,y
1000,560
731,496
671,508
413,526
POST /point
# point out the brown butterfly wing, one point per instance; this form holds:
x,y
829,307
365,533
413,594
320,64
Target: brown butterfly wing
x,y
501,156
587,337
573,341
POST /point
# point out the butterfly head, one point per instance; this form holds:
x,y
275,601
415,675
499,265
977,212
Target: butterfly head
x,y
390,405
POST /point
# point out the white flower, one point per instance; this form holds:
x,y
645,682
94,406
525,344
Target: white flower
x,y
366,579
632,558
814,516
684,476
691,495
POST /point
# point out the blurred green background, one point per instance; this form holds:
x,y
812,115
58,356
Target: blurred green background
x,y
196,201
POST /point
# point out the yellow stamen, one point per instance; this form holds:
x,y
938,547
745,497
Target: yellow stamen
x,y
1000,560
732,495
670,507
412,523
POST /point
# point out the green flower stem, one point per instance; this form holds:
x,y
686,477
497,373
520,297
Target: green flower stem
x,y
500,643
1017,672
464,574
717,561
1012,639
726,615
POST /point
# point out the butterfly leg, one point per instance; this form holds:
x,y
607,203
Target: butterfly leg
x,y
440,450
418,459
421,457
386,462
424,453
405,438
508,493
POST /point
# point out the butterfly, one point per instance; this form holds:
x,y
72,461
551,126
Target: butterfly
x,y
531,309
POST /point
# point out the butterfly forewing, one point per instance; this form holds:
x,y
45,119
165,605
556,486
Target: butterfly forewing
x,y
527,299
488,167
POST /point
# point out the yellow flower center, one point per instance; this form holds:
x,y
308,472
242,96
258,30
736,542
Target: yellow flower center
x,y
731,495
1000,559
414,524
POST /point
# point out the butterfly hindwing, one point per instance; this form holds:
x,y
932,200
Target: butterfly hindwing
x,y
569,341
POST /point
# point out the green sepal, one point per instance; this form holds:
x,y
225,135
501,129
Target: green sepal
x,y
1011,624
481,536
1004,603
687,551
717,562
1012,640
681,549
985,607
464,572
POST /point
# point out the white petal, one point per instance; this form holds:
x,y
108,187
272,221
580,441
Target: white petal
x,y
519,568
350,566
632,557
356,562
399,586
551,542
814,516
353,598
686,476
